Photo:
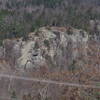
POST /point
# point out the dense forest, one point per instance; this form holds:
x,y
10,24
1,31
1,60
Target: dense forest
x,y
19,17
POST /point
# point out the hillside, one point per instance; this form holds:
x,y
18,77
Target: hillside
x,y
62,54
49,49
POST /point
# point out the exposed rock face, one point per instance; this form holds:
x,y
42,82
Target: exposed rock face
x,y
54,47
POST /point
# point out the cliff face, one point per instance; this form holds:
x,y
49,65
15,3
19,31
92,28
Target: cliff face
x,y
56,47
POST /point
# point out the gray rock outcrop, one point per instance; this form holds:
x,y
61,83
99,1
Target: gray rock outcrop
x,y
55,47
52,47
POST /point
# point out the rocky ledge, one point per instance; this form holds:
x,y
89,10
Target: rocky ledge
x,y
57,47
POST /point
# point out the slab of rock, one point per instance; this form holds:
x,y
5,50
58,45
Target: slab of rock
x,y
52,47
